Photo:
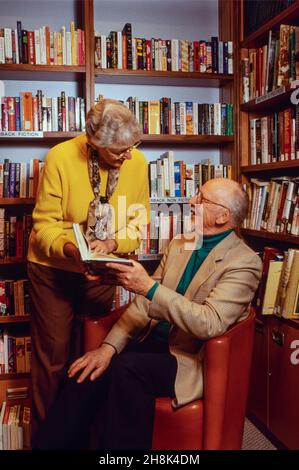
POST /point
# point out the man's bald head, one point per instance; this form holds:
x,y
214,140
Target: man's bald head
x,y
229,193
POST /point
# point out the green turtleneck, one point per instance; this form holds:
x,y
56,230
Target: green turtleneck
x,y
198,256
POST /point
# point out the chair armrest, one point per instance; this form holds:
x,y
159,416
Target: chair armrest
x,y
97,328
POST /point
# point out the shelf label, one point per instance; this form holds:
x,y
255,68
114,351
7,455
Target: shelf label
x,y
169,200
270,95
22,134
149,257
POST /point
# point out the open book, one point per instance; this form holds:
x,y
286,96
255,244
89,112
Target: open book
x,y
95,261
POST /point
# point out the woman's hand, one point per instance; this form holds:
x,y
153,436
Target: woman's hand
x,y
103,246
93,362
133,278
70,250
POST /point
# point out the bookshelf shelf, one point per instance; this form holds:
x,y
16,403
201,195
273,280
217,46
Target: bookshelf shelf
x,y
47,136
288,321
287,16
15,319
12,261
187,139
149,257
271,102
153,77
285,238
267,167
24,375
41,72
16,201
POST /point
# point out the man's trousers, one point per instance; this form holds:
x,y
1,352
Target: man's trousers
x,y
125,393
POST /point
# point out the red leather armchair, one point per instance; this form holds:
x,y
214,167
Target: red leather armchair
x,y
216,421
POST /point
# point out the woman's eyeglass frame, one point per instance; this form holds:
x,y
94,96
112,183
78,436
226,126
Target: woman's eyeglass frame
x,y
124,152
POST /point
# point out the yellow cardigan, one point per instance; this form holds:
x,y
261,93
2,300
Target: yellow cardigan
x,y
64,195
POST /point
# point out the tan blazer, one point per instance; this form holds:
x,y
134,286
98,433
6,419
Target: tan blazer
x,y
217,297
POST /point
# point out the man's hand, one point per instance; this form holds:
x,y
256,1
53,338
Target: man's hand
x,y
103,246
133,278
70,250
93,362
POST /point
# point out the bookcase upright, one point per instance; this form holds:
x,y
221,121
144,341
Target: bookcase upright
x,y
86,78
272,403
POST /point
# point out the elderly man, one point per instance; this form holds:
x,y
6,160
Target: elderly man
x,y
195,294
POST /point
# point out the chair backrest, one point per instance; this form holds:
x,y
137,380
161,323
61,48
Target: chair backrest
x,y
226,380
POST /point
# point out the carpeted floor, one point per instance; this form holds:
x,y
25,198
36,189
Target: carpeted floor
x,y
253,439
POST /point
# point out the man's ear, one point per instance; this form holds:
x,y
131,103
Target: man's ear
x,y
223,217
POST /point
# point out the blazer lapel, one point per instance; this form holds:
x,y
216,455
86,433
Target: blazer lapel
x,y
177,268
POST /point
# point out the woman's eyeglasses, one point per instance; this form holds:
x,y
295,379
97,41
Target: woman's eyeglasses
x,y
200,199
124,152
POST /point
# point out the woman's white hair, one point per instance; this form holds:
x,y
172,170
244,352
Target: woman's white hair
x,y
111,123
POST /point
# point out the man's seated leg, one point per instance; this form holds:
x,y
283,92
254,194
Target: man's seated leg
x,y
136,379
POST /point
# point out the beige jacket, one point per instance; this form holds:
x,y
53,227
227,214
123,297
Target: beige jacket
x,y
217,297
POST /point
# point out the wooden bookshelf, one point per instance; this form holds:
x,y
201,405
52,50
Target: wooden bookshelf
x,y
47,136
12,260
146,257
187,139
17,201
273,101
154,77
260,36
16,375
14,319
41,72
146,138
281,237
281,167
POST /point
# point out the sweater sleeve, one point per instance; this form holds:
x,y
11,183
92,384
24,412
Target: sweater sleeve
x,y
129,237
51,231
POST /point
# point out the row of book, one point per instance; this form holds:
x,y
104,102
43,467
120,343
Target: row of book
x,y
15,353
273,65
165,223
257,13
15,426
274,205
169,178
14,234
275,137
14,297
122,297
182,118
42,46
278,292
20,179
40,113
120,50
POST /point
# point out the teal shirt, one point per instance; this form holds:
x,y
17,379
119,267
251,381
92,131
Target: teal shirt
x,y
161,331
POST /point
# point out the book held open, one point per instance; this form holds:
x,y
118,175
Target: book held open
x,y
96,262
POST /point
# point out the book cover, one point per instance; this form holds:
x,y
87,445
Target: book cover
x,y
95,261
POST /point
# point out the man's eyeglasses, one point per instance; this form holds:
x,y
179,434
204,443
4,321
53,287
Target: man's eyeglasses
x,y
200,199
124,152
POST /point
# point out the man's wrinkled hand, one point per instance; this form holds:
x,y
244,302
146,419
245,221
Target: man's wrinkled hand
x,y
93,363
133,278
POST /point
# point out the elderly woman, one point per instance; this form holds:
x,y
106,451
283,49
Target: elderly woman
x,y
91,180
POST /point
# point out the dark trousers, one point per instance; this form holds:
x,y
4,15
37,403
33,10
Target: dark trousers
x,y
125,394
57,298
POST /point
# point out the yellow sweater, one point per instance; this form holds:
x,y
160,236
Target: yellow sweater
x,y
65,193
